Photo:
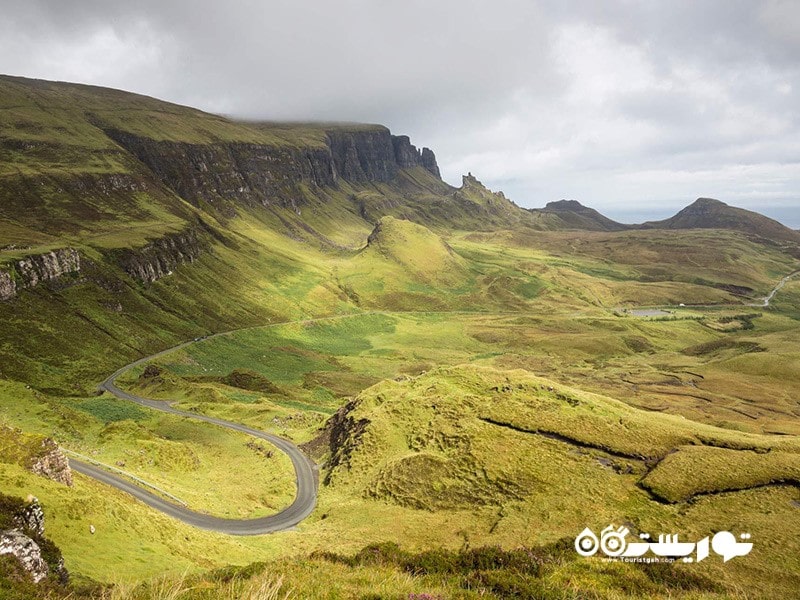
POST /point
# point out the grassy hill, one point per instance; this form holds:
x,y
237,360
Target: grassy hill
x,y
707,213
573,215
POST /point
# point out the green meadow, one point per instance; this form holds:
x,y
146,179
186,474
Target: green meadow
x,y
531,406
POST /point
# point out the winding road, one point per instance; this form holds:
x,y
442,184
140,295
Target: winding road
x,y
765,302
305,470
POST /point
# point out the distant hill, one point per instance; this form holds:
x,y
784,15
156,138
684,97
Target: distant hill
x,y
707,213
571,214
77,159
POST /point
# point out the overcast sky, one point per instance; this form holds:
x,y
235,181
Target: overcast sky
x,y
633,107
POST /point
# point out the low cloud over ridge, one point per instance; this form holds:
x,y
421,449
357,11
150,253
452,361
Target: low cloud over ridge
x,y
633,108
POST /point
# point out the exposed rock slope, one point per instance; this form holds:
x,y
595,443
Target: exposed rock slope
x,y
162,256
33,270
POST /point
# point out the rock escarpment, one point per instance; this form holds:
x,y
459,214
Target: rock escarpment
x,y
408,156
250,174
162,256
49,266
33,270
253,174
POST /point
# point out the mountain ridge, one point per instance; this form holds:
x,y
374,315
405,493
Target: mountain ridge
x,y
703,213
576,215
90,150
709,213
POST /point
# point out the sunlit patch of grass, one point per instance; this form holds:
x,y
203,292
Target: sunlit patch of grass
x,y
705,470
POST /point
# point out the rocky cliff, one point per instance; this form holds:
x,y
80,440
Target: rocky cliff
x,y
162,256
215,173
26,551
33,270
407,155
253,174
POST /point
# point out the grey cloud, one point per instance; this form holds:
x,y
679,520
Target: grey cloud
x,y
629,106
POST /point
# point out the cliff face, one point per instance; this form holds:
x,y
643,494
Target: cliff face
x,y
162,256
254,174
247,173
33,270
408,156
428,160
49,266
361,156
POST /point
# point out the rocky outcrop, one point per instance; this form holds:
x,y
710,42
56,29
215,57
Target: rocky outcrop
x,y
252,174
407,155
26,551
31,517
162,256
33,270
429,161
38,454
22,536
106,184
8,287
339,437
52,463
48,266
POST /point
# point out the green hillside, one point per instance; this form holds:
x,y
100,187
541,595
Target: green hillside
x,y
477,382
707,213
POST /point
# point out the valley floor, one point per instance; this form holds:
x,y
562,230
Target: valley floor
x,y
553,407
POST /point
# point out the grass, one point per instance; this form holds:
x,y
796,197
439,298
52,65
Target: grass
x,y
505,398
704,470
349,354
190,460
584,474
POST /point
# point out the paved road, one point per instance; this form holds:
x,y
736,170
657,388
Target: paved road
x,y
765,302
305,472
